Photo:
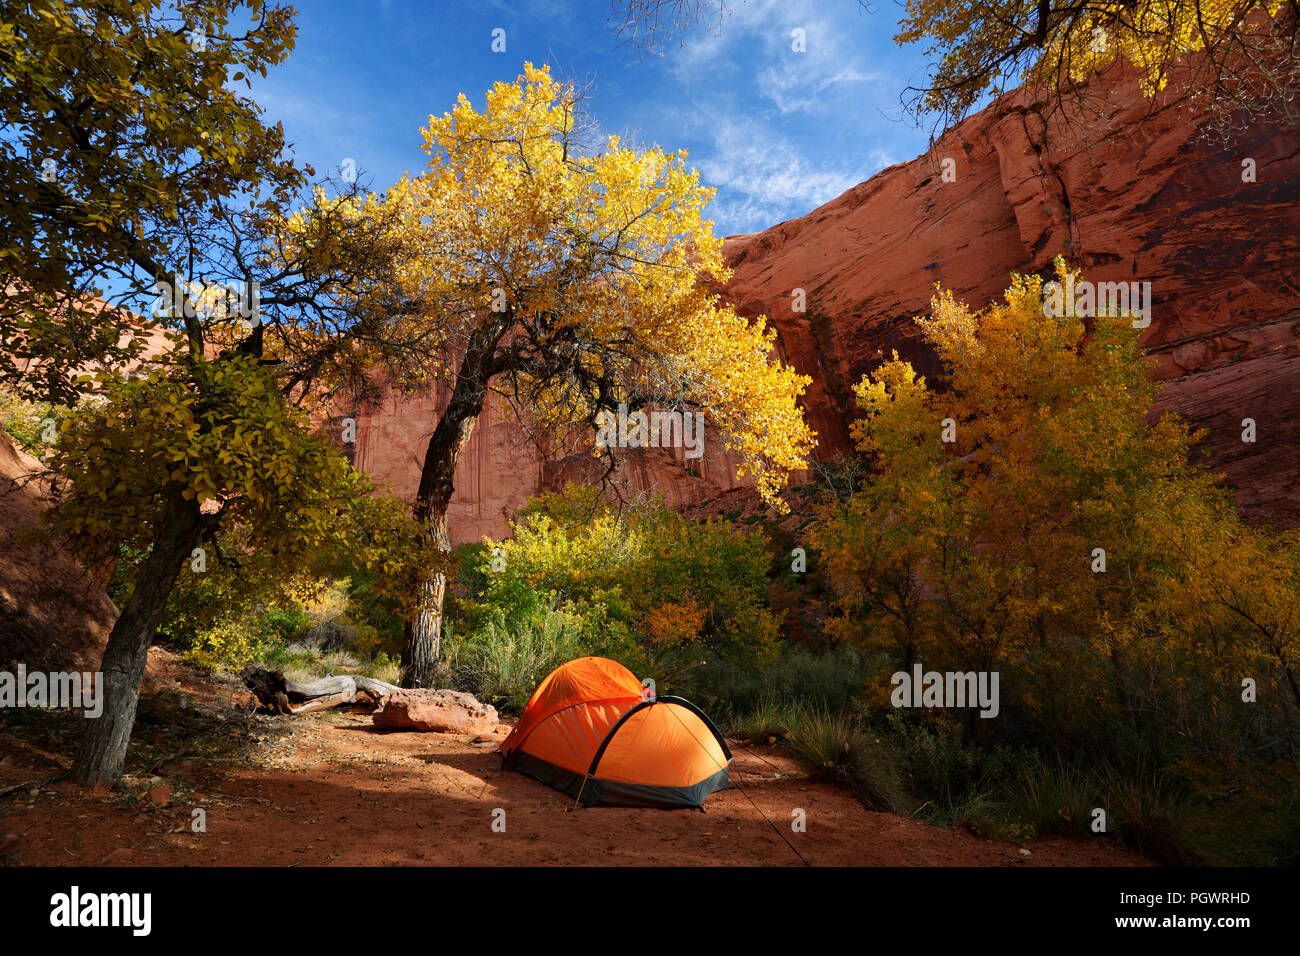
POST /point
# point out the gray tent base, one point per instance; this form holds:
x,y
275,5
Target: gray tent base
x,y
613,793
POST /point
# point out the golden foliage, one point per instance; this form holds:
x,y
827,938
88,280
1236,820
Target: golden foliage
x,y
1062,530
985,47
589,262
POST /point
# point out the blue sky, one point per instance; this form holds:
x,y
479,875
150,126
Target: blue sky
x,y
777,132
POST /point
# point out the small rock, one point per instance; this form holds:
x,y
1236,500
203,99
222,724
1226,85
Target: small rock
x,y
1024,852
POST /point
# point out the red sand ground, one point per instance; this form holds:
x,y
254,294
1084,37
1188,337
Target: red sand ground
x,y
334,791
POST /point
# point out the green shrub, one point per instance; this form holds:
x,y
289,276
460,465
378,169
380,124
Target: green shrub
x,y
502,663
284,622
827,741
1147,812
683,592
27,423
954,783
385,668
766,722
832,678
226,644
1053,797
836,747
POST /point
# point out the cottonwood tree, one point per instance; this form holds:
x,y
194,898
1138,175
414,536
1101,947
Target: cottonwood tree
x,y
1237,58
203,440
167,186
1246,580
981,552
569,280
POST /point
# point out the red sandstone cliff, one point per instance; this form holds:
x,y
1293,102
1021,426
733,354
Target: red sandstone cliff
x,y
502,465
1144,199
1139,197
53,616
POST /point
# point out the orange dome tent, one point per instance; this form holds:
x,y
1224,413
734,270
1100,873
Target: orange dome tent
x,y
587,731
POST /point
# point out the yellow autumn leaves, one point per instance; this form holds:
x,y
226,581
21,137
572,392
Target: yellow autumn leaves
x,y
989,46
1149,36
601,248
1032,515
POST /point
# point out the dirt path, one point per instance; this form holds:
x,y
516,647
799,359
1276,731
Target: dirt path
x,y
349,795
333,791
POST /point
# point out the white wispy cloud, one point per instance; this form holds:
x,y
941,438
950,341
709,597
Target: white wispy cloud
x,y
816,79
772,139
794,90
763,178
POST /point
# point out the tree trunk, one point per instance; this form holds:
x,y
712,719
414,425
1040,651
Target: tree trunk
x,y
102,753
1290,676
422,636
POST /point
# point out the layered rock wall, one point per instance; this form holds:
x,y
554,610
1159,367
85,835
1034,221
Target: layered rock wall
x,y
1138,196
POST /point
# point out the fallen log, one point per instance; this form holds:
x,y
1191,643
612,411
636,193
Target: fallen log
x,y
436,711
322,703
276,692
346,684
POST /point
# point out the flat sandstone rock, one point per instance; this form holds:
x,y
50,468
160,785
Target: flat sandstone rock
x,y
439,711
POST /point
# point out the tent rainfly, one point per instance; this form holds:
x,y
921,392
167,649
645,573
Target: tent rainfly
x,y
589,731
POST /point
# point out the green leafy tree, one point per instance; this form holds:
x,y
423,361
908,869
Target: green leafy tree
x,y
134,168
121,122
159,465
